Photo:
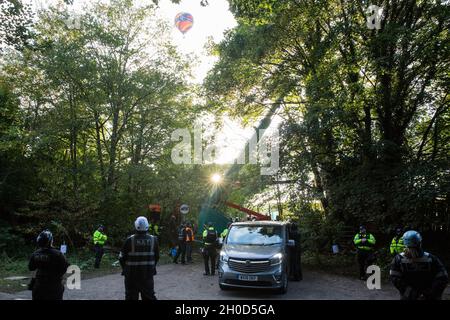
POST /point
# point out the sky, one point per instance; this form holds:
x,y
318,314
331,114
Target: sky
x,y
209,22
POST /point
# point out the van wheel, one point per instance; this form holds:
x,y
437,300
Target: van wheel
x,y
284,287
224,288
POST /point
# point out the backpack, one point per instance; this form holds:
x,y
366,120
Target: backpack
x,y
211,236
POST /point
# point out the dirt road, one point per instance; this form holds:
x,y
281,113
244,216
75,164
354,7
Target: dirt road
x,y
187,282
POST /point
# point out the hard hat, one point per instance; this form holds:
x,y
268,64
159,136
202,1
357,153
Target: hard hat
x,y
45,239
141,224
412,239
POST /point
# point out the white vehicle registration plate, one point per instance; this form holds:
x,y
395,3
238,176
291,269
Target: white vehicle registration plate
x,y
247,277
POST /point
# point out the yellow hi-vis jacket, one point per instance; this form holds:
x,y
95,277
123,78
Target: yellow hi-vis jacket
x,y
397,245
367,245
224,233
205,234
153,229
99,238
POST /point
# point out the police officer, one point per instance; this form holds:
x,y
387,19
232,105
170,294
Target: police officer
x,y
209,249
397,242
99,241
295,253
181,251
138,258
223,235
416,273
153,229
50,265
365,243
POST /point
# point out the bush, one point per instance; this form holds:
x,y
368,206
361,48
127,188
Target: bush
x,y
11,244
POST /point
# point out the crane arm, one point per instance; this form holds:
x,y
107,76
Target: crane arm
x,y
259,216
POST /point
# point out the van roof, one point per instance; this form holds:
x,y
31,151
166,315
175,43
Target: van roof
x,y
260,223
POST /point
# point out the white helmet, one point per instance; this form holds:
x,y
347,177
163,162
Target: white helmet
x,y
141,224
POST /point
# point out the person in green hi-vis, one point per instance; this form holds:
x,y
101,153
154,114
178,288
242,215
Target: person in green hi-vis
x,y
364,243
99,241
397,245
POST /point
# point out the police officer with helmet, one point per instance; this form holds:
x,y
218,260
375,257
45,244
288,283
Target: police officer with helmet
x,y
418,274
50,266
138,258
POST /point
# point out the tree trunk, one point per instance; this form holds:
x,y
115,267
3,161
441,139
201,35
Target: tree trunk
x,y
99,150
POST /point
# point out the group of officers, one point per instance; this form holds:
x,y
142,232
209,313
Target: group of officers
x,y
415,273
138,258
211,240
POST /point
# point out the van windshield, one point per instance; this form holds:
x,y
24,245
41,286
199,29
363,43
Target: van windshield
x,y
255,235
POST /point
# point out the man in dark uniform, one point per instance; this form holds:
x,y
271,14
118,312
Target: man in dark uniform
x,y
417,274
138,258
209,249
295,254
50,265
181,250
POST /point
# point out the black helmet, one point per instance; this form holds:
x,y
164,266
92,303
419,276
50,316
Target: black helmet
x,y
45,239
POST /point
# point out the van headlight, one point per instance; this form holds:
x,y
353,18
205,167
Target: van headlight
x,y
276,259
223,256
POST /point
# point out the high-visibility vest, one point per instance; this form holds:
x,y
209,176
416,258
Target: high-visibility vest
x,y
182,234
99,238
397,245
138,254
368,245
189,235
224,233
153,229
205,236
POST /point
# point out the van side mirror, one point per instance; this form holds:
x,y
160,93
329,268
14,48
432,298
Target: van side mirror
x,y
291,243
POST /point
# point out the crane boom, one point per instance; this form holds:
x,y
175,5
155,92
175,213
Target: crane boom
x,y
259,216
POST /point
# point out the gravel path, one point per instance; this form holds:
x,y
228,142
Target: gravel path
x,y
187,282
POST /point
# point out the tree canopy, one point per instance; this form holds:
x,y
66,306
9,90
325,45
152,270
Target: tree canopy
x,y
365,111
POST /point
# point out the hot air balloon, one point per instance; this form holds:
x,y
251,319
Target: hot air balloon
x,y
184,22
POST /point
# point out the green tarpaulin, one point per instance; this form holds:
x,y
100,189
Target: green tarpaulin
x,y
211,214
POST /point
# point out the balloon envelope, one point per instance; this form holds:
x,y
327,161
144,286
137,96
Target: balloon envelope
x,y
184,21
